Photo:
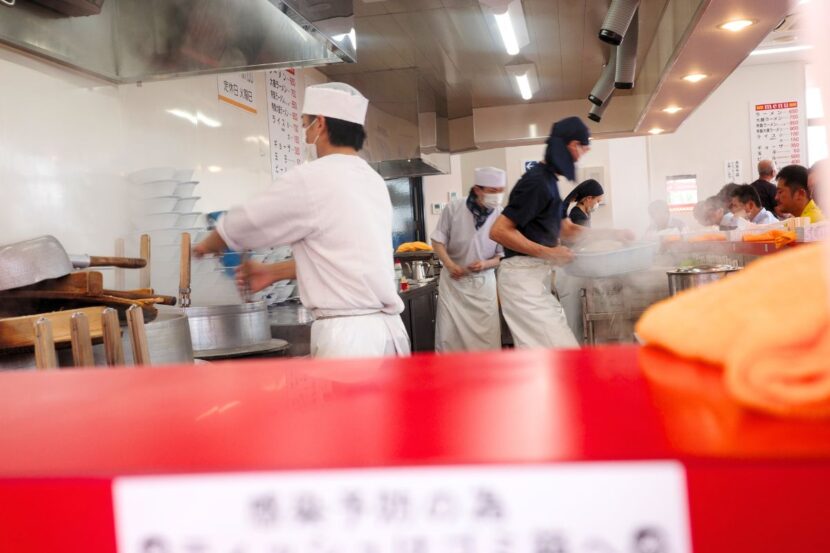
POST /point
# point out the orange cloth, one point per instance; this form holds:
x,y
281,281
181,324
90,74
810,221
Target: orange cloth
x,y
780,237
708,238
775,352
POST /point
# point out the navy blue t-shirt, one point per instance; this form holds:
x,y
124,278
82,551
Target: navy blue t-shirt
x,y
535,207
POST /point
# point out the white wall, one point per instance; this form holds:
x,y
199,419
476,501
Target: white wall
x,y
628,164
67,141
719,130
437,189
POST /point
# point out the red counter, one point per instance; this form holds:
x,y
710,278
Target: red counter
x,y
755,483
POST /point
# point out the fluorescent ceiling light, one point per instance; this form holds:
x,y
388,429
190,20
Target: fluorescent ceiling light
x,y
508,35
655,130
527,82
214,168
694,77
736,25
512,27
782,50
672,109
524,86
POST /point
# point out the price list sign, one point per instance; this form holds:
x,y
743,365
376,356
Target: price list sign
x,y
284,124
630,507
776,132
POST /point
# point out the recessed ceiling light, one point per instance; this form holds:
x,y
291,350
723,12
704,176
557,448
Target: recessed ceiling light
x,y
672,109
655,130
694,77
736,25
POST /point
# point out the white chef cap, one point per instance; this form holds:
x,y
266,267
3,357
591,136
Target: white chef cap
x,y
336,100
490,177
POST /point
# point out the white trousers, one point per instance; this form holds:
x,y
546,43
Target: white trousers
x,y
533,314
373,335
467,318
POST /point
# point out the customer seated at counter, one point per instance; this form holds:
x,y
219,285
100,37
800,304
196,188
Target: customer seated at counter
x,y
661,219
746,203
793,195
814,178
729,220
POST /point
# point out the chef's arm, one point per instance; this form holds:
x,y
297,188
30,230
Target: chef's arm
x,y
284,270
504,232
212,244
572,233
491,263
441,250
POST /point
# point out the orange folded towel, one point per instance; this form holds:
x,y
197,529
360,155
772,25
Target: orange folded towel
x,y
775,351
708,238
780,237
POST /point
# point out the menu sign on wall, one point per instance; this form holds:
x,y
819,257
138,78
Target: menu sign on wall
x,y
631,507
776,132
237,89
284,124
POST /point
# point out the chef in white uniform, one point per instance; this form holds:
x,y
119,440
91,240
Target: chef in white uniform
x,y
468,309
336,214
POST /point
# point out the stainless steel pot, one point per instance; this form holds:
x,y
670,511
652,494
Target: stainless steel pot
x,y
228,327
168,340
700,275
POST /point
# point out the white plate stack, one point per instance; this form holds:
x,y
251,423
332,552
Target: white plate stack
x,y
165,205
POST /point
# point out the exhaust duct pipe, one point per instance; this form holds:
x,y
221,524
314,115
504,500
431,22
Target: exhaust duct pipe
x,y
617,21
605,85
627,56
596,112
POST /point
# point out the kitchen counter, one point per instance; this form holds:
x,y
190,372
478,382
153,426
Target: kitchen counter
x,y
754,483
420,305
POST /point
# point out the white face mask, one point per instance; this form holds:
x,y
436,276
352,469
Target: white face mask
x,y
593,209
310,150
492,200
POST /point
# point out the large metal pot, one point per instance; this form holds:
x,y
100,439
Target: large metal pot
x,y
168,340
700,275
228,327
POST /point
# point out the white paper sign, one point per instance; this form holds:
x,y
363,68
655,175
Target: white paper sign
x,y
777,132
284,124
732,171
631,507
237,89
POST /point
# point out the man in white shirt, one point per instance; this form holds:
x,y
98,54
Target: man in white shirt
x,y
336,214
468,310
746,203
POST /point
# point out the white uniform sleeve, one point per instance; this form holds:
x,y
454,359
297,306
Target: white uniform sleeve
x,y
283,214
442,229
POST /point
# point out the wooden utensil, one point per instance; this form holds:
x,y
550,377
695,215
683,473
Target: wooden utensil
x,y
81,341
16,332
138,336
45,356
145,252
112,338
184,271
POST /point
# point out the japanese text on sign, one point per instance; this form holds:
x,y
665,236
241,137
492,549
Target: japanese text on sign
x,y
237,89
776,132
284,124
590,507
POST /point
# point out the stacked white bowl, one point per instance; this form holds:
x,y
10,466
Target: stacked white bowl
x,y
166,208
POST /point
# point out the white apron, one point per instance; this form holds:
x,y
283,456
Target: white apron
x,y
357,334
468,313
533,314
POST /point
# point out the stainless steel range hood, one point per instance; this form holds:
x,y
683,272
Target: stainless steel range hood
x,y
135,40
407,126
